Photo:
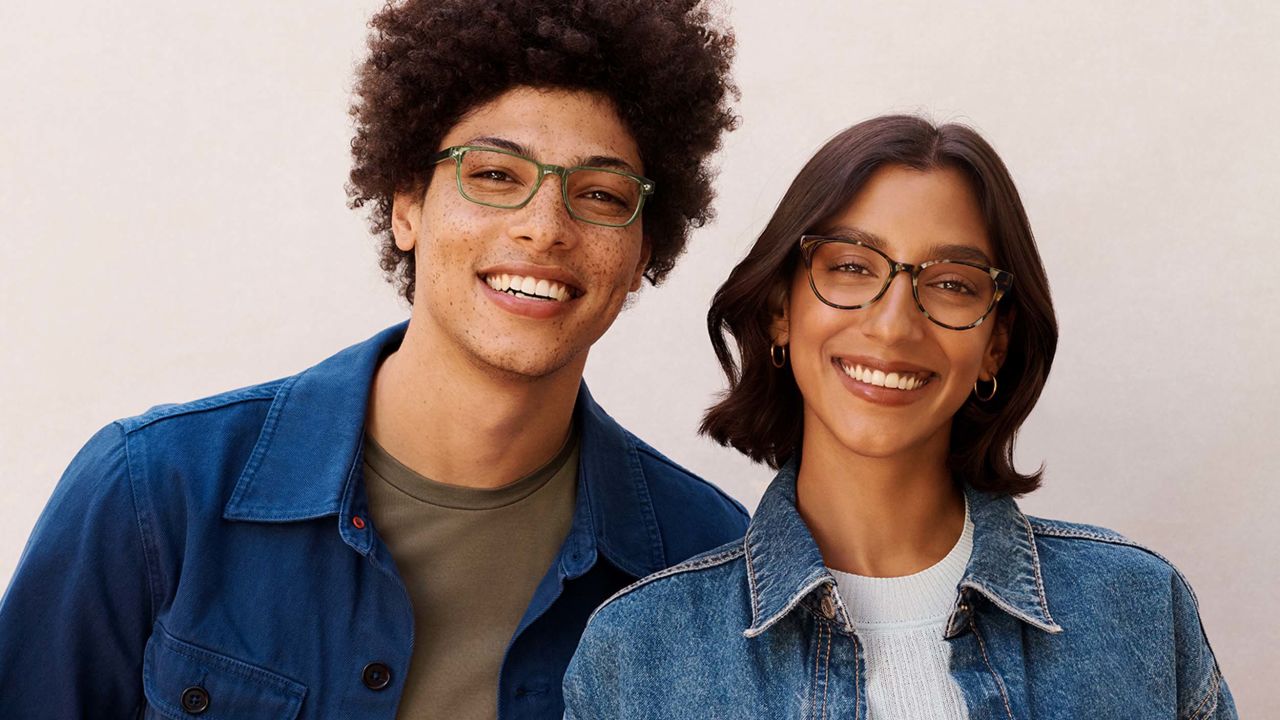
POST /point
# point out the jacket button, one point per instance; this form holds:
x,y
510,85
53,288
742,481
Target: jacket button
x,y
376,676
828,607
195,700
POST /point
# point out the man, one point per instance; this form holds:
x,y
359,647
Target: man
x,y
420,525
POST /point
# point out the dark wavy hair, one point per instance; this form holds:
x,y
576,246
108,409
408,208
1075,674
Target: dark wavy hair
x,y
761,414
664,64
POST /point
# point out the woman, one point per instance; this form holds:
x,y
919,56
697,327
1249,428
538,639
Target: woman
x,y
894,329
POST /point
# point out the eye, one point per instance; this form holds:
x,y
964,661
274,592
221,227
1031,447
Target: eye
x,y
494,175
855,268
954,285
603,196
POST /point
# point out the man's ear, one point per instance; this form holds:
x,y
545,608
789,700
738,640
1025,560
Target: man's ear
x,y
406,218
646,252
998,343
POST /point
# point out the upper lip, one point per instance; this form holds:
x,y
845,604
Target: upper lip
x,y
886,366
533,270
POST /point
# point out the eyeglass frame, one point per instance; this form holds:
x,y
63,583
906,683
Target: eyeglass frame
x,y
456,152
809,244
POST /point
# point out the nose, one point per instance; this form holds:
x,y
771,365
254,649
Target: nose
x,y
895,318
544,221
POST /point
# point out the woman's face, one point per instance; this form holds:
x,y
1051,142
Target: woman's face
x,y
913,216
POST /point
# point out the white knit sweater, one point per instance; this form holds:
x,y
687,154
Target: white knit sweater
x,y
900,622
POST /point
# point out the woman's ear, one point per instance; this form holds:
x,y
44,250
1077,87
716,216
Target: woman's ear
x,y
998,343
780,310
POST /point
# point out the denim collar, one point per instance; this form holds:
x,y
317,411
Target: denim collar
x,y
785,569
307,460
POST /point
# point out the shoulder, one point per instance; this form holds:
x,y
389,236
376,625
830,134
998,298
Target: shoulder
x,y
709,578
1146,601
247,403
1078,548
687,506
187,457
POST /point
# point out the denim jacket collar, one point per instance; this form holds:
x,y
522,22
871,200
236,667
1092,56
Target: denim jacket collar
x,y
309,453
785,569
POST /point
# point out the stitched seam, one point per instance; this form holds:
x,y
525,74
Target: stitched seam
x,y
789,606
813,687
857,686
148,554
751,579
995,600
1079,534
1212,694
249,672
826,670
1035,565
687,566
264,392
1004,697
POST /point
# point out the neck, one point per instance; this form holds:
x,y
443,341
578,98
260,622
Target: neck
x,y
879,516
444,416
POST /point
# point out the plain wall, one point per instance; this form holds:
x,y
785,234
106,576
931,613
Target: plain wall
x,y
173,224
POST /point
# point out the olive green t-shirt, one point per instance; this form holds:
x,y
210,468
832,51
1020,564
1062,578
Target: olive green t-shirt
x,y
470,559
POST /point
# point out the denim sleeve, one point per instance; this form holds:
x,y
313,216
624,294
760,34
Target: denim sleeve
x,y
1202,691
592,675
75,618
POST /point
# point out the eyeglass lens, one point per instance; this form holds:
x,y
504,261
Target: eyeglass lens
x,y
502,180
851,275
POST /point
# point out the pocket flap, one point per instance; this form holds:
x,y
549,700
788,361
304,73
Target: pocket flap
x,y
224,687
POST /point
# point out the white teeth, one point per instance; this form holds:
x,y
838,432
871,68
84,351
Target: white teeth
x,y
878,378
536,287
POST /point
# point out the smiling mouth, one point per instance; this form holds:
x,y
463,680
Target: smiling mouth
x,y
879,378
525,286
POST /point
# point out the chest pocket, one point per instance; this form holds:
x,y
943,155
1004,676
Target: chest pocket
x,y
184,682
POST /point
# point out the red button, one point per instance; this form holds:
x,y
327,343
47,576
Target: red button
x,y
358,522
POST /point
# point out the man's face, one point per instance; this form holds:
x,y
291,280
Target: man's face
x,y
470,257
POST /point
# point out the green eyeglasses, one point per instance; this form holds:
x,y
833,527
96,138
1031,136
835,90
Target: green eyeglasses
x,y
503,179
850,275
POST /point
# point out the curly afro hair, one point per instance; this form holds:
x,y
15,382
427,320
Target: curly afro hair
x,y
664,63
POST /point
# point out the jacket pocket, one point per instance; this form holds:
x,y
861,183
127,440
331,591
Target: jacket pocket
x,y
183,682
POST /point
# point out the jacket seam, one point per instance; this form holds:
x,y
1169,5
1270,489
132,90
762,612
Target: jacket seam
x,y
1114,539
692,565
265,392
982,646
148,551
1215,681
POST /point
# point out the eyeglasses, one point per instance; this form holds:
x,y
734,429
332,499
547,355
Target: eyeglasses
x,y
502,179
850,275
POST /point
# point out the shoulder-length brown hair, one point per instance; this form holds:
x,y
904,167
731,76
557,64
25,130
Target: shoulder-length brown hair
x,y
761,414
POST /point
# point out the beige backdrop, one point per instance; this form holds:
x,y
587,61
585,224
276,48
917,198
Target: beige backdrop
x,y
172,224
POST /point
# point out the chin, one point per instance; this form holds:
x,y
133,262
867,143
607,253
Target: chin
x,y
518,364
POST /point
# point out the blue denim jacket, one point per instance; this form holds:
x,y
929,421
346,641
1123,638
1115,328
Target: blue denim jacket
x,y
1051,620
218,554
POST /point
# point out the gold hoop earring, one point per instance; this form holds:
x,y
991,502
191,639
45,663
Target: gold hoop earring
x,y
990,395
778,355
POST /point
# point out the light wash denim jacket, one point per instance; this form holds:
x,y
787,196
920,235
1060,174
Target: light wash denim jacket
x,y
1051,620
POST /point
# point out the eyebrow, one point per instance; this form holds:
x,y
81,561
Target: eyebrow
x,y
944,251
600,161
